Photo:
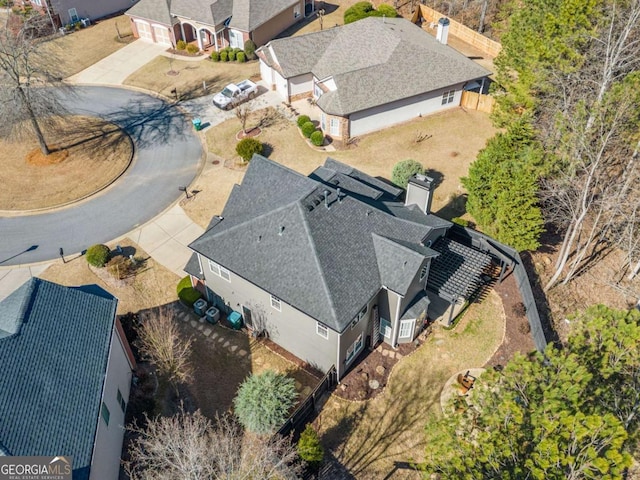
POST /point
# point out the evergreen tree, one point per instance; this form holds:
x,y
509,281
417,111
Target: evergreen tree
x,y
263,401
309,448
404,170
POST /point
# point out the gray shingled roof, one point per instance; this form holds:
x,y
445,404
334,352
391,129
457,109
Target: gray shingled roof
x,y
418,305
53,370
280,217
374,62
155,10
250,14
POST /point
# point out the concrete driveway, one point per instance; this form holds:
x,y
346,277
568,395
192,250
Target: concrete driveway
x,y
113,70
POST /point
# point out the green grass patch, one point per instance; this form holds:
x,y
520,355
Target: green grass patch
x,y
186,293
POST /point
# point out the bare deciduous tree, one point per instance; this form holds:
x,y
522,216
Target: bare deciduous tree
x,y
26,69
161,342
189,446
242,114
591,123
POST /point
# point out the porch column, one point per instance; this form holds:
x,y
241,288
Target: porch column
x,y
199,38
215,40
182,31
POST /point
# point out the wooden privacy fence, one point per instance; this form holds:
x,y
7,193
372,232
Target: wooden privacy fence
x,y
477,40
477,101
304,413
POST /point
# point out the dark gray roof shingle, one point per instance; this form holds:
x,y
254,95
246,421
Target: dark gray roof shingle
x,y
374,62
322,261
53,370
250,14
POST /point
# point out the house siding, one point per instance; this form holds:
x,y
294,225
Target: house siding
x,y
402,110
349,336
415,288
105,464
276,25
300,86
266,73
290,328
282,86
89,8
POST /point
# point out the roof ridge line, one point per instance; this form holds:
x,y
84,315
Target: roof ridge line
x,y
403,247
317,262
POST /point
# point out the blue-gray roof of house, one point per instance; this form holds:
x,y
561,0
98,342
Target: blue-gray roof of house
x,y
322,261
53,369
373,61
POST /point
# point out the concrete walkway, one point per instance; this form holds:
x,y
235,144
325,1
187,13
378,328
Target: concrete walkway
x,y
166,238
115,68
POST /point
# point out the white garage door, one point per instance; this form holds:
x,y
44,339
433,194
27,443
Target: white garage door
x,y
162,35
144,31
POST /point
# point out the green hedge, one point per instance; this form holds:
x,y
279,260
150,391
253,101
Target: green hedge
x,y
232,55
241,57
186,293
98,255
247,147
224,56
250,49
307,129
192,49
215,56
181,45
302,119
317,138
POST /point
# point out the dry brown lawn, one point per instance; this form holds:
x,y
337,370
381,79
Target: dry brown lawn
x,y
455,138
155,76
91,154
368,437
76,51
153,285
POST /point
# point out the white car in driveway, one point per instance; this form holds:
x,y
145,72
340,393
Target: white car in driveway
x,y
234,94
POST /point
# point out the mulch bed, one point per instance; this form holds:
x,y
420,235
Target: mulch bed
x,y
517,331
369,368
250,133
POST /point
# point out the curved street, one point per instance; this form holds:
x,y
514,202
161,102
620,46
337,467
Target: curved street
x,y
167,155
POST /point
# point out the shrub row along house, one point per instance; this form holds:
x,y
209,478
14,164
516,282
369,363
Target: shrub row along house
x,y
369,74
66,373
215,24
330,263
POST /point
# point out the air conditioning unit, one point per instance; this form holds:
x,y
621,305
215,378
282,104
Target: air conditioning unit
x,y
200,307
213,315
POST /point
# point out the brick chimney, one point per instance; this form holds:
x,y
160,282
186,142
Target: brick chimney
x,y
443,30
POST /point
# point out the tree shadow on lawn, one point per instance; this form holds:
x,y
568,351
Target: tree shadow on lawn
x,y
366,438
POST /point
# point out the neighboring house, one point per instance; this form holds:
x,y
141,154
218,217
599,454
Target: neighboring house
x,y
64,12
369,74
216,24
66,373
333,262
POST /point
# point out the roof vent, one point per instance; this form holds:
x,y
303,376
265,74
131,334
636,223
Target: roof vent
x,y
281,231
338,194
326,199
259,238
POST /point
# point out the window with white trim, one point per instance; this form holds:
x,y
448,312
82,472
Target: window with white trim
x,y
276,304
224,273
296,11
73,15
406,328
235,39
334,126
447,97
385,328
354,349
37,2
219,270
322,330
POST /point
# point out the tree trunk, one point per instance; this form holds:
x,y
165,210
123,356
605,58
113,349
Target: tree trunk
x,y
34,123
483,14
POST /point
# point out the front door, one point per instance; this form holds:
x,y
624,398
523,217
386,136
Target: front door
x,y
73,15
246,313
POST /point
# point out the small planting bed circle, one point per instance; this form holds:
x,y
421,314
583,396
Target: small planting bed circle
x,y
88,154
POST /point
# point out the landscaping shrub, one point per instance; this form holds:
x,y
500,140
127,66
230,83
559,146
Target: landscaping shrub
x,y
310,449
264,400
386,10
224,56
460,221
250,49
98,255
241,57
404,170
247,147
186,293
357,11
302,119
232,56
192,49
237,50
307,129
215,56
317,138
181,45
227,49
